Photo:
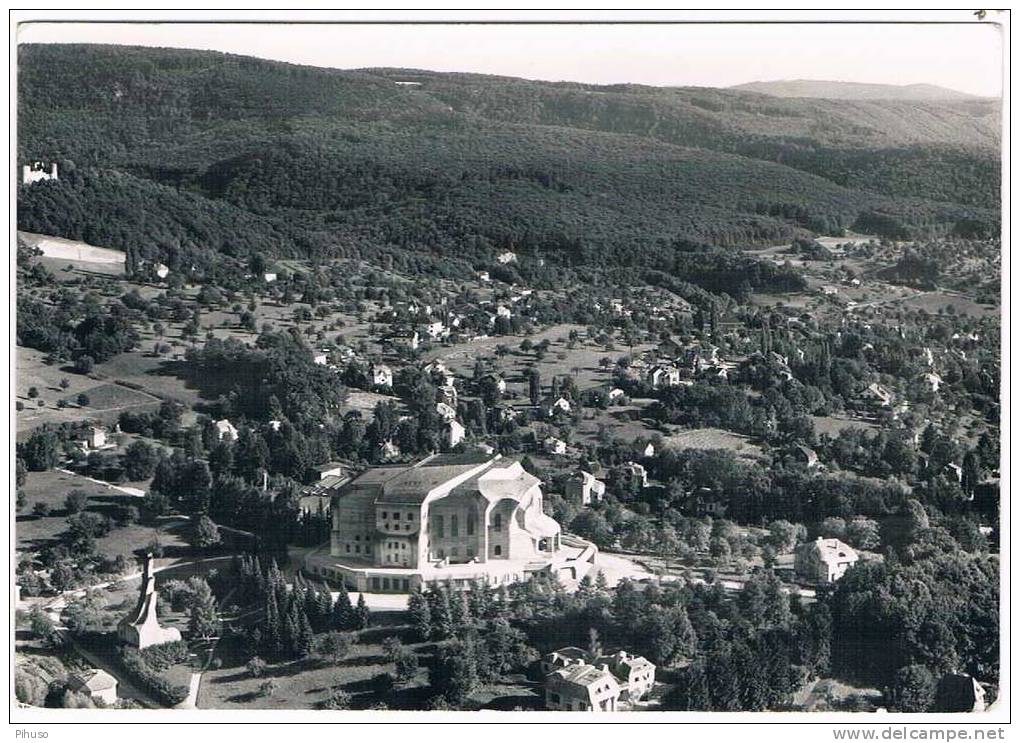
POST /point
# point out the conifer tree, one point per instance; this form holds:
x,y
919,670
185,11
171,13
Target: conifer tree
x,y
442,618
343,612
421,615
361,613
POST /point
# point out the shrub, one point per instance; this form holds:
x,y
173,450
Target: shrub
x,y
160,657
161,689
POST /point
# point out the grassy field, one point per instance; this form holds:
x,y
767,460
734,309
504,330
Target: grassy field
x,y
832,425
304,684
933,302
33,533
106,400
713,438
580,362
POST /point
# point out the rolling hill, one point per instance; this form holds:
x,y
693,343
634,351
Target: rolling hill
x,y
848,91
187,155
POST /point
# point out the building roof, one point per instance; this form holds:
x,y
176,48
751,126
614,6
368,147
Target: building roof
x,y
591,679
832,550
959,692
622,661
412,484
327,466
93,679
326,486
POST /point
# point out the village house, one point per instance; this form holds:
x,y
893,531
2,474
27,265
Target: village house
x,y
581,687
388,451
483,276
315,498
446,412
706,502
95,682
506,257
804,455
823,560
95,438
634,675
615,394
382,375
36,172
877,395
447,394
671,349
659,377
632,476
436,329
438,369
455,432
269,277
409,340
321,358
225,430
933,380
584,488
959,692
552,406
328,469
449,519
643,449
498,382
553,445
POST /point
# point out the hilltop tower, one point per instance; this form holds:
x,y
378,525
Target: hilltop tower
x,y
141,627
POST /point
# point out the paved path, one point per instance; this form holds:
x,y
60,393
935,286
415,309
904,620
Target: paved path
x,y
189,703
133,492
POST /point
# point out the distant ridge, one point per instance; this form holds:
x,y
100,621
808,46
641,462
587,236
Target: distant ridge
x,y
834,89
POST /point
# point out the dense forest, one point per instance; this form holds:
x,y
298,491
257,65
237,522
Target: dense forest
x,y
184,156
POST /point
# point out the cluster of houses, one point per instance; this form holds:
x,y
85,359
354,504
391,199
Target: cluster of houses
x,y
578,681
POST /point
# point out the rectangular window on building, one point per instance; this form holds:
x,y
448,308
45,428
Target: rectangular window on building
x,y
454,526
471,524
439,526
375,583
348,547
386,584
410,517
357,548
384,515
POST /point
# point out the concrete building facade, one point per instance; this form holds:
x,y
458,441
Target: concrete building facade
x,y
450,518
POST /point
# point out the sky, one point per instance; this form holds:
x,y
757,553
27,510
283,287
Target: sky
x,y
965,57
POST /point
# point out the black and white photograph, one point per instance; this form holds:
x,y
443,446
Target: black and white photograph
x,y
559,367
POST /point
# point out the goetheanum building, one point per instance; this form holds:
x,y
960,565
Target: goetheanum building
x,y
450,518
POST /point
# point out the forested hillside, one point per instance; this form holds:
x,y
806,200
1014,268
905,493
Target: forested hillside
x,y
187,155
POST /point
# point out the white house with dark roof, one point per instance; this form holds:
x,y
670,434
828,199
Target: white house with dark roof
x,y
585,488
823,560
382,375
95,682
225,430
580,687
